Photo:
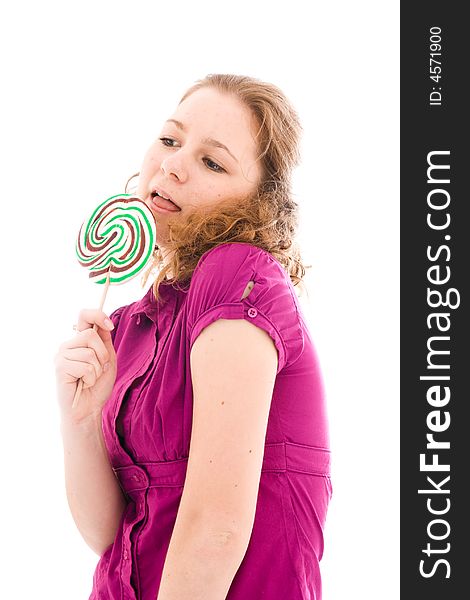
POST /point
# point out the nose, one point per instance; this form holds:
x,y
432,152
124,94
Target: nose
x,y
172,167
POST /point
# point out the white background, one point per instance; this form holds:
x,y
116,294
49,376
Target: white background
x,y
86,87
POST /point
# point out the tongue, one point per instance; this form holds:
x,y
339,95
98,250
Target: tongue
x,y
165,203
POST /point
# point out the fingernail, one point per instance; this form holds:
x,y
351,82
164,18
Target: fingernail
x,y
109,323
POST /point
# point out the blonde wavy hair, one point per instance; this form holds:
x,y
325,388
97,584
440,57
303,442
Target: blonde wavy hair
x,y
269,217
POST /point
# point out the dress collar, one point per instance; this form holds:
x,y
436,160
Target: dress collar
x,y
149,306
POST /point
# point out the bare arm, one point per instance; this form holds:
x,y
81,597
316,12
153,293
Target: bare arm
x,y
233,385
199,565
94,496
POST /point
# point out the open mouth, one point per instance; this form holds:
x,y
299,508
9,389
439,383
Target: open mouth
x,y
162,202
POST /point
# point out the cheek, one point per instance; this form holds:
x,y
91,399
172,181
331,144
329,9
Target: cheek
x,y
148,167
213,195
151,159
205,195
153,155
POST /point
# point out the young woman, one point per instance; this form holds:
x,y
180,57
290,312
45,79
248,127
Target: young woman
x,y
197,460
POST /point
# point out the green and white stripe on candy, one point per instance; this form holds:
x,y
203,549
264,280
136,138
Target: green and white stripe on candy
x,y
118,237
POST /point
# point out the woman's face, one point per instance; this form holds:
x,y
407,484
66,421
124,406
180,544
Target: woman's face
x,y
188,162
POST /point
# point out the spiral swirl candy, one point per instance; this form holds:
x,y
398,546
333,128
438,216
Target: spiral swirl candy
x,y
119,237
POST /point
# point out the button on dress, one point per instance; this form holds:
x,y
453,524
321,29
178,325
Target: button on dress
x,y
147,429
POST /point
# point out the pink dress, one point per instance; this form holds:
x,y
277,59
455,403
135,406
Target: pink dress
x,y
147,429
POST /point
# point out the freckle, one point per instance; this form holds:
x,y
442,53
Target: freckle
x,y
236,485
223,402
250,450
210,461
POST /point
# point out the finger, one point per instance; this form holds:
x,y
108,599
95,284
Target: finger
x,y
86,356
74,370
87,317
88,339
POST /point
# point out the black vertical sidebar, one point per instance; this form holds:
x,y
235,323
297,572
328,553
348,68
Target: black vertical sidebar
x,y
435,270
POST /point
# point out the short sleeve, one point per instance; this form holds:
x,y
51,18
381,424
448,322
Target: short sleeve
x,y
217,287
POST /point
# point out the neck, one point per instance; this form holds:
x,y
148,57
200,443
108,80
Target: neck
x,y
166,261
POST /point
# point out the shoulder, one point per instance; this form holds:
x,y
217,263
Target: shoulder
x,y
236,250
237,258
242,281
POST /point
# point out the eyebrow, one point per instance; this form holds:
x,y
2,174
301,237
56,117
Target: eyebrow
x,y
208,141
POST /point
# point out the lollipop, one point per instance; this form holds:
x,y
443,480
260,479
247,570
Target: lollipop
x,y
115,243
117,239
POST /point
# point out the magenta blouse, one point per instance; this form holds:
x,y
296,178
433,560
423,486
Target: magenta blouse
x,y
147,429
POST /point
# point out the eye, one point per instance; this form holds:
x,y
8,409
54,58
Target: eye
x,y
218,168
165,139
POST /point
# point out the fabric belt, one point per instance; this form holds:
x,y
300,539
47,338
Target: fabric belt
x,y
278,457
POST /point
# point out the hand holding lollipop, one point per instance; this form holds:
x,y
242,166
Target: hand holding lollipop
x,y
115,243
